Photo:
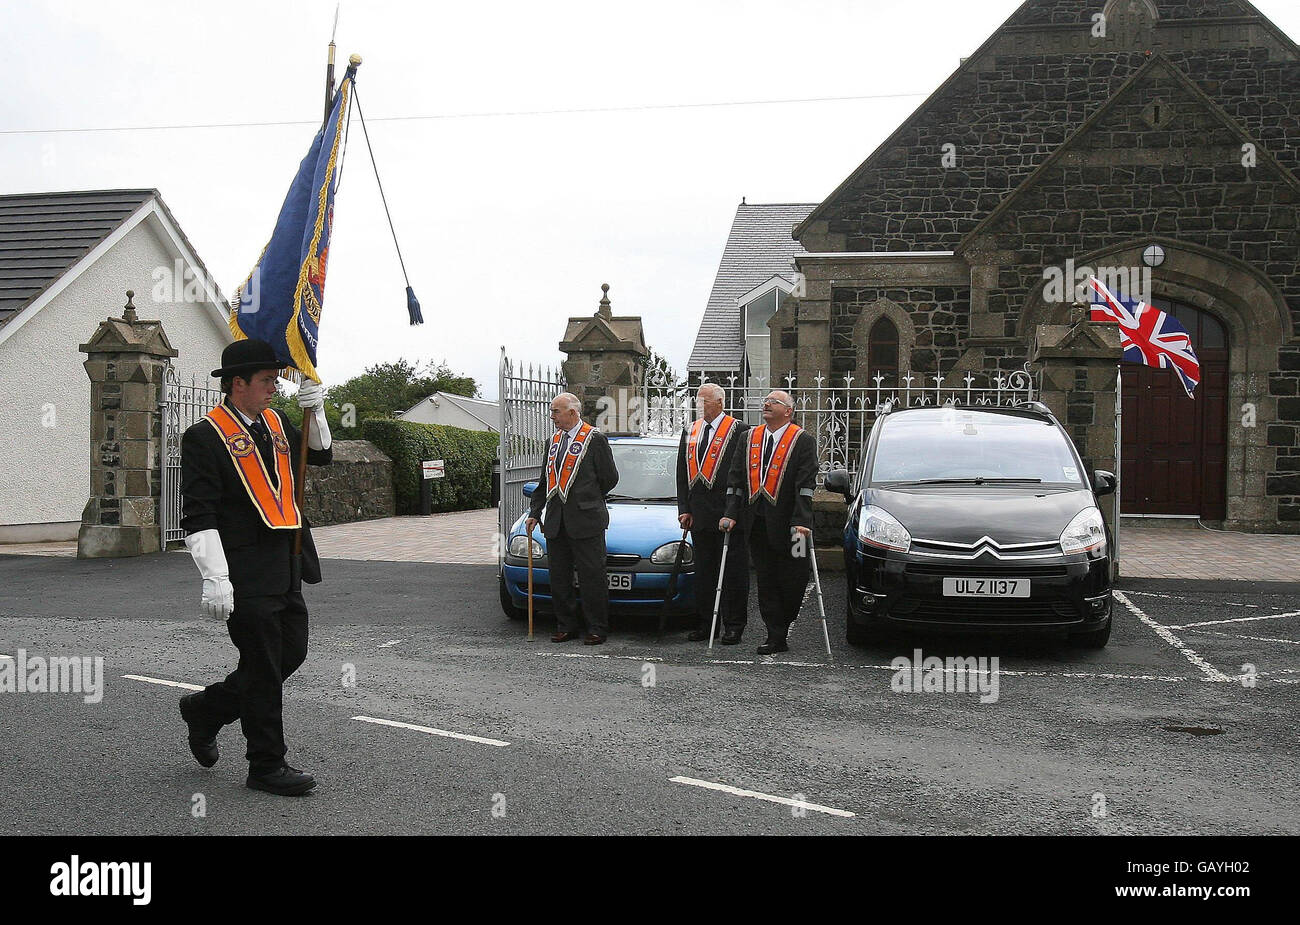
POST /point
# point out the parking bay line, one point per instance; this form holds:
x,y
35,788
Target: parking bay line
x,y
1192,600
754,794
1163,632
1290,642
431,731
1272,616
164,682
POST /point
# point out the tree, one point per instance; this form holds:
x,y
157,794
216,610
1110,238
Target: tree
x,y
382,391
660,372
386,389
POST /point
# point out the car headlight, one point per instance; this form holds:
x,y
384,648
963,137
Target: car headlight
x,y
667,554
878,527
1087,531
519,547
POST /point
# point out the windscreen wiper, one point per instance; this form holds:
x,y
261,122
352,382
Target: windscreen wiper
x,y
980,480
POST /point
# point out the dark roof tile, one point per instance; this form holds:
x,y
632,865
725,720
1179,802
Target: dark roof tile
x,y
758,248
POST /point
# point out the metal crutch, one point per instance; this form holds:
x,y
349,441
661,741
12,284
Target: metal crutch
x,y
821,605
530,582
717,598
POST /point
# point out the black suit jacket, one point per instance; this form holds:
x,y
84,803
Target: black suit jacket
x,y
709,505
214,498
584,514
793,506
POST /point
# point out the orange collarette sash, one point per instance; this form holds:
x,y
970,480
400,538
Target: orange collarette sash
x,y
775,466
278,509
559,473
713,455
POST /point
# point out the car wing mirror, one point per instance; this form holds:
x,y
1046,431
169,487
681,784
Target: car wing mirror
x,y
837,480
529,488
1103,482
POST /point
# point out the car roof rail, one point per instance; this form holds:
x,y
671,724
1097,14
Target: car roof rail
x,y
1037,406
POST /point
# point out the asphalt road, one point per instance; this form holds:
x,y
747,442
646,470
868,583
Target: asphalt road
x,y
1174,728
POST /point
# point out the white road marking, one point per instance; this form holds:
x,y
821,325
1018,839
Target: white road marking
x,y
1272,616
1292,642
1109,676
1192,600
630,658
164,682
431,731
784,801
389,644
1210,671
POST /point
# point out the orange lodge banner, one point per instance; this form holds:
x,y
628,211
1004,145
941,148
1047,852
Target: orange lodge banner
x,y
276,505
559,473
771,485
707,472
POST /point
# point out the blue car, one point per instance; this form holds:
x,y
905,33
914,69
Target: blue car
x,y
641,542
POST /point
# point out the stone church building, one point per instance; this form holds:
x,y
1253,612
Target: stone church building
x,y
1075,138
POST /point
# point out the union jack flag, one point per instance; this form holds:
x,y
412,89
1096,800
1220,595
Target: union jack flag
x,y
1148,335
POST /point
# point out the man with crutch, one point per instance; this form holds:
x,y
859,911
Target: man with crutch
x,y
708,450
773,482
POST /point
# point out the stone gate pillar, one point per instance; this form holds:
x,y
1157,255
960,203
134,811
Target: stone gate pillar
x,y
1079,365
606,362
126,360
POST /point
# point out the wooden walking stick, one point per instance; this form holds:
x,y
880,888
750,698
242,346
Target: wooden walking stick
x,y
671,590
717,598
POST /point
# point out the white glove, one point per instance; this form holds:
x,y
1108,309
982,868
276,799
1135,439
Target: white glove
x,y
311,397
218,593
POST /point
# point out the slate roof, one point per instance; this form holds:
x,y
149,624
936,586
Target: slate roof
x,y
758,248
489,412
42,235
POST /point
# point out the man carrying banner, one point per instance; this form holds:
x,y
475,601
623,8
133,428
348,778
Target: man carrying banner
x,y
705,457
243,465
578,472
240,518
777,473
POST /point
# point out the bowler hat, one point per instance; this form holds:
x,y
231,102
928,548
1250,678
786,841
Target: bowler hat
x,y
246,356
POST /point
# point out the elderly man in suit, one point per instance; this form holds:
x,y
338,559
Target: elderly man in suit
x,y
705,457
240,517
569,501
773,480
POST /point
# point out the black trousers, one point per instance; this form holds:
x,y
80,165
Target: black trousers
x,y
271,635
587,556
782,579
733,608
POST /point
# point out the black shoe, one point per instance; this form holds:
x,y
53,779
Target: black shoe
x,y
697,635
730,638
773,646
203,741
283,781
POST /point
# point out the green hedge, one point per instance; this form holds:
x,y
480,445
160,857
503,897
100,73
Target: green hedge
x,y
468,454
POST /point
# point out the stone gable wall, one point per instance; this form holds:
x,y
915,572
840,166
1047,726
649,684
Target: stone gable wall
x,y
1006,121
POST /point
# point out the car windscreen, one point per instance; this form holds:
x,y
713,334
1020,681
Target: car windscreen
x,y
955,444
645,471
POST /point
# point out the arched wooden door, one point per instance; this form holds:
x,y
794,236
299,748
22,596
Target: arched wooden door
x,y
1173,448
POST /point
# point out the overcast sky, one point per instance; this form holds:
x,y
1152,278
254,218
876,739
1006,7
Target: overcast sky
x,y
508,223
